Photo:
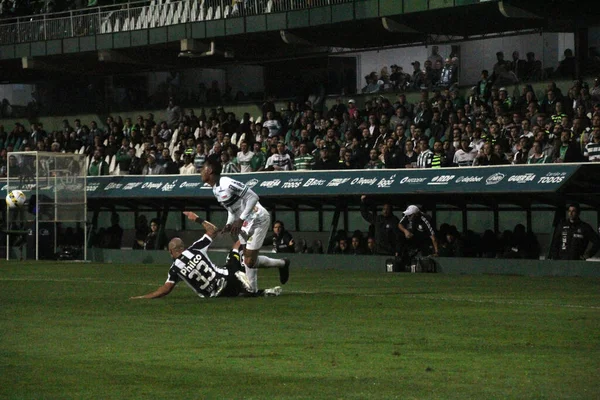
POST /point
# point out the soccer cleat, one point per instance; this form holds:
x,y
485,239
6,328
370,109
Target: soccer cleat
x,y
284,272
270,292
243,278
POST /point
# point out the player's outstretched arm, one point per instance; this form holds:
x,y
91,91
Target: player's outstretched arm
x,y
211,229
160,292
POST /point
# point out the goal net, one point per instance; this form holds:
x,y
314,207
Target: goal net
x,y
52,223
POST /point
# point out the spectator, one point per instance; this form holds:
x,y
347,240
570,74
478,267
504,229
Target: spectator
x,y
97,166
301,246
6,110
425,156
228,166
533,68
353,110
538,156
165,132
450,242
272,124
341,246
188,167
244,157
465,155
572,238
156,238
316,247
174,114
488,156
280,161
384,227
418,76
373,83
326,161
517,66
258,161
567,151
304,161
595,91
374,160
371,246
283,242
141,232
356,246
439,156
592,149
484,86
152,167
449,75
566,68
199,155
114,233
169,166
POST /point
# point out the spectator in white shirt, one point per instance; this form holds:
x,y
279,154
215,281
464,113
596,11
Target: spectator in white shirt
x,y
465,155
188,167
244,156
280,161
273,125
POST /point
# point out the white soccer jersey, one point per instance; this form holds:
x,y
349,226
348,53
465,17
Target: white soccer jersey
x,y
244,161
463,158
238,199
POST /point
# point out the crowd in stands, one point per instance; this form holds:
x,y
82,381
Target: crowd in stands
x,y
442,73
488,126
22,8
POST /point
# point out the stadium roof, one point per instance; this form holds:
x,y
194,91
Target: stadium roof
x,y
391,26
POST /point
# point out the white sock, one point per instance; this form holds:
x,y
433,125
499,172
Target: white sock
x,y
252,274
267,262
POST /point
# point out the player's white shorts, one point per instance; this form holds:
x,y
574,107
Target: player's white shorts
x,y
255,230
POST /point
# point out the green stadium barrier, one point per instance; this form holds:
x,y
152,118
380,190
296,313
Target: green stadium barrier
x,y
467,266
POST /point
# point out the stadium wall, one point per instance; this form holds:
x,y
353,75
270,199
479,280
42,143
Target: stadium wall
x,y
468,266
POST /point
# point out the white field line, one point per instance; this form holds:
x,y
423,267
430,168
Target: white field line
x,y
412,296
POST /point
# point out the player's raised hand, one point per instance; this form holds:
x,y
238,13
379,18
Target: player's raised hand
x,y
190,215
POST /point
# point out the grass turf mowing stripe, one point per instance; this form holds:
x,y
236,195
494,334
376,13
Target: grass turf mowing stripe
x,y
305,292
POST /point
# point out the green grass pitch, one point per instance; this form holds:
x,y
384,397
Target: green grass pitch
x,y
69,331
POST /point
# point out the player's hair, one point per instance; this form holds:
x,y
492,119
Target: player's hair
x,y
215,165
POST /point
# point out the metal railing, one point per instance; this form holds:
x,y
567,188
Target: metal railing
x,y
140,15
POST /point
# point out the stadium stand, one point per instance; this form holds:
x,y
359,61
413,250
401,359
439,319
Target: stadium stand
x,y
423,121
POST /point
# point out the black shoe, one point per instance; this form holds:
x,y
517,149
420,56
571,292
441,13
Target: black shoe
x,y
284,272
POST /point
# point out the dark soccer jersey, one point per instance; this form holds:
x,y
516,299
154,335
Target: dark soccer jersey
x,y
195,268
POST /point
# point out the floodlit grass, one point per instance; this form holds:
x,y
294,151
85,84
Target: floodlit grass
x,y
69,331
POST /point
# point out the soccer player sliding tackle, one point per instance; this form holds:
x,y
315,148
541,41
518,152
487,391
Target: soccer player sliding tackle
x,y
193,266
247,220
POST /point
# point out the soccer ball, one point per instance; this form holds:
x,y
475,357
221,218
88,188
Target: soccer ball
x,y
15,198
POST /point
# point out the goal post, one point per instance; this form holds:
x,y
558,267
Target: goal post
x,y
54,217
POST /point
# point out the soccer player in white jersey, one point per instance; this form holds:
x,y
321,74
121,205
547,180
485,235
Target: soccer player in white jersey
x,y
247,219
193,266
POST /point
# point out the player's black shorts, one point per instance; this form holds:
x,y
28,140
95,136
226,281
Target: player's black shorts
x,y
234,287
